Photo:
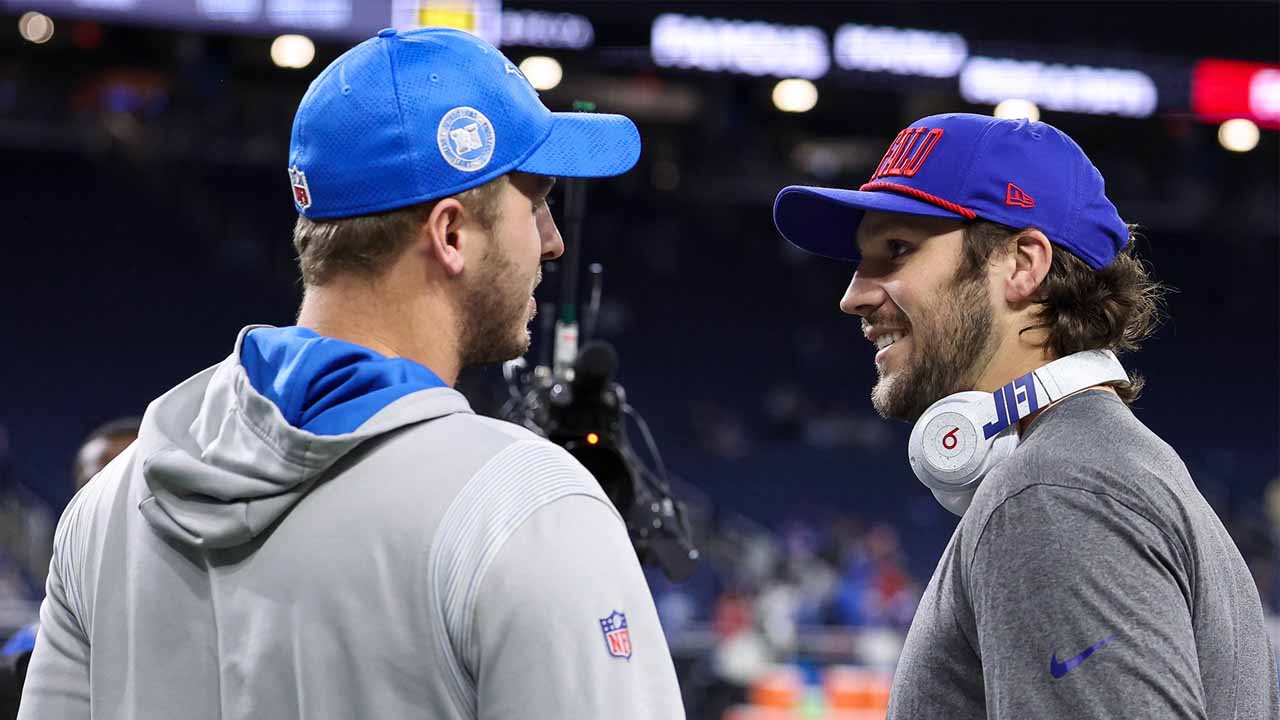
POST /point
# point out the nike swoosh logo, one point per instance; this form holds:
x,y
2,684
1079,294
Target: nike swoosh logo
x,y
1059,669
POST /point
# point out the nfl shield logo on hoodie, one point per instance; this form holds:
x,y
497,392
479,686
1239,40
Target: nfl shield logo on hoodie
x,y
617,638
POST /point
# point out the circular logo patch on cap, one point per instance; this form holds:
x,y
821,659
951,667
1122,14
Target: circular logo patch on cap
x,y
465,138
949,441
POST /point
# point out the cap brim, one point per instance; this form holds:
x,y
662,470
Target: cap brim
x,y
825,221
585,145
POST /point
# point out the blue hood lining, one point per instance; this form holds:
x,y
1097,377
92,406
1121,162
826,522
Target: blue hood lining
x,y
327,386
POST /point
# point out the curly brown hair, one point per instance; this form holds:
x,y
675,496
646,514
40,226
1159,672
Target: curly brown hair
x,y
366,245
1115,308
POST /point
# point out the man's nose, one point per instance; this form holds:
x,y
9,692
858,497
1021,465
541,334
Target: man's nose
x,y
552,243
863,296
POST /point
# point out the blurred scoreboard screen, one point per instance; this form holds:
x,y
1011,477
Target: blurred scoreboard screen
x,y
349,19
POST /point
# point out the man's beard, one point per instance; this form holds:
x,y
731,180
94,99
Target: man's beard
x,y
949,346
494,324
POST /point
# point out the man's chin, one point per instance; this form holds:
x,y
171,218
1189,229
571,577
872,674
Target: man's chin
x,y
493,354
520,344
882,399
518,347
892,403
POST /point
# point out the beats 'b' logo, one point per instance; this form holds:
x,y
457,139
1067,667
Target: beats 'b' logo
x,y
949,440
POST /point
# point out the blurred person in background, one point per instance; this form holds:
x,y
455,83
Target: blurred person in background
x,y
319,526
101,446
1087,577
26,528
26,533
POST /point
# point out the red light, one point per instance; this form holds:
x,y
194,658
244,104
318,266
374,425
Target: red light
x,y
593,439
1225,89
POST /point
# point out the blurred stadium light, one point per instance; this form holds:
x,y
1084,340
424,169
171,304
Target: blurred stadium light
x,y
1134,85
899,51
532,28
481,17
230,10
747,47
1225,89
1068,88
1238,135
292,51
35,27
544,73
1016,109
795,95
346,19
309,14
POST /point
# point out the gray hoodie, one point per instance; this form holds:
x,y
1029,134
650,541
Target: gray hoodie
x,y
309,530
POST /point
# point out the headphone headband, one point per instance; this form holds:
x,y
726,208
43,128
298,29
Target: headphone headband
x,y
1078,371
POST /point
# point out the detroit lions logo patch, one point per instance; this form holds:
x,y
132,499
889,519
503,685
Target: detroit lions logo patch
x,y
466,139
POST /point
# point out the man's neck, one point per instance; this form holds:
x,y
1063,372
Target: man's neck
x,y
1012,360
412,328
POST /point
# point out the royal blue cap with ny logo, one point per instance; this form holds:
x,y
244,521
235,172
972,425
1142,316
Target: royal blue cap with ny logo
x,y
964,166
407,117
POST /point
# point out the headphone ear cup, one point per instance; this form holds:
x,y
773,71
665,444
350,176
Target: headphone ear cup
x,y
948,452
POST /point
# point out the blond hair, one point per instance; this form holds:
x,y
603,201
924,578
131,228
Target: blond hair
x,y
366,245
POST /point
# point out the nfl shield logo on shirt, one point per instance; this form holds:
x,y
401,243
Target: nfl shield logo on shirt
x,y
617,638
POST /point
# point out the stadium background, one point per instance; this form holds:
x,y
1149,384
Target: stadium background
x,y
148,219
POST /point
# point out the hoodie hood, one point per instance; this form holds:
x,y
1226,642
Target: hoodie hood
x,y
231,450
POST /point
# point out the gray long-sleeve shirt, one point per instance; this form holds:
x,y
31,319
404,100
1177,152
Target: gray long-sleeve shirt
x,y
1089,579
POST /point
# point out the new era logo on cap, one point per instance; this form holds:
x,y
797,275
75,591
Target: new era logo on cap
x,y
1017,197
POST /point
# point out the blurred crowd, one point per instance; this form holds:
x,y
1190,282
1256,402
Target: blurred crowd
x,y
769,609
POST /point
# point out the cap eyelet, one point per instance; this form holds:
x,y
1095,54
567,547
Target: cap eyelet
x,y
435,77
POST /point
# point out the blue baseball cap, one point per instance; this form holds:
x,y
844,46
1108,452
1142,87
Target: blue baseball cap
x,y
407,117
964,166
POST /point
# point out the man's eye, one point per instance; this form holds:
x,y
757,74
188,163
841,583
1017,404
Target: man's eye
x,y
897,248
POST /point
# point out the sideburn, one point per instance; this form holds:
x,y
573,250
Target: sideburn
x,y
489,324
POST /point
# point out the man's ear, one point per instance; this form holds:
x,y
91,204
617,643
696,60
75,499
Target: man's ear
x,y
1030,256
442,237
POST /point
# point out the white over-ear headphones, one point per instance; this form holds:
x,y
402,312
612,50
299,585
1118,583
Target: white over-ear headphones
x,y
957,441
